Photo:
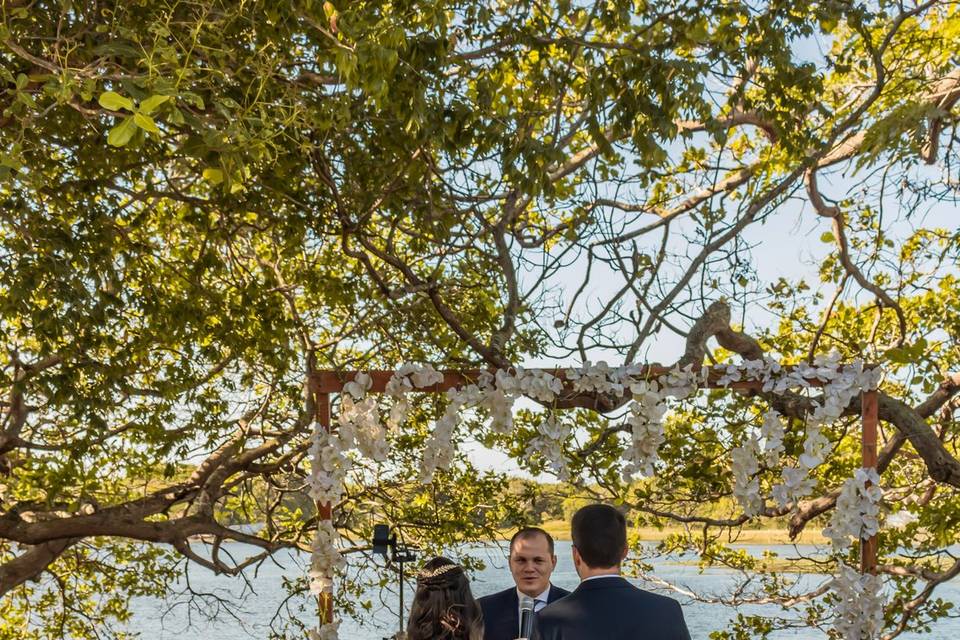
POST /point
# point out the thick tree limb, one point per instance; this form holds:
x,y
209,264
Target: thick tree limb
x,y
948,91
31,563
715,322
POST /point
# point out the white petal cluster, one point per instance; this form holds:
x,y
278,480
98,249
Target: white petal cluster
x,y
325,559
745,466
438,451
859,606
599,378
358,387
499,404
857,513
538,384
646,429
552,434
772,431
328,465
328,631
360,427
408,377
794,484
682,383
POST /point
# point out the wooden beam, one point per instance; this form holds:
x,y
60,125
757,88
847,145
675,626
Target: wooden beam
x,y
324,509
329,381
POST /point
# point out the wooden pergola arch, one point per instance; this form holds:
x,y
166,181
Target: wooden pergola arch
x,y
323,383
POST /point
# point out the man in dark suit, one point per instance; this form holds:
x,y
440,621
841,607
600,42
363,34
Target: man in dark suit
x,y
532,560
605,606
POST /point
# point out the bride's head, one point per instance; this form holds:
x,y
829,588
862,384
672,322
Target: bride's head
x,y
443,607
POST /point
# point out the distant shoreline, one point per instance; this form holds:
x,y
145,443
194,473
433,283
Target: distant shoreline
x,y
560,530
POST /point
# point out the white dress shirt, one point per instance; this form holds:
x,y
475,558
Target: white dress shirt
x,y
603,575
539,602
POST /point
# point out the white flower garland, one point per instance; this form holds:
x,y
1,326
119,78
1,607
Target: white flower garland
x,y
856,515
360,428
859,605
438,451
325,561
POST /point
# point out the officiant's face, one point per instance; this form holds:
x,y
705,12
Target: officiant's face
x,y
531,564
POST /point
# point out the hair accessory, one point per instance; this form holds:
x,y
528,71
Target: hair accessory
x,y
439,571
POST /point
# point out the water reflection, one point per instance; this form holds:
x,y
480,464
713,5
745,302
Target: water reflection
x,y
259,605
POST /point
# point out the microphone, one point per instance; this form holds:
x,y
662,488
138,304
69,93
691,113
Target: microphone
x,y
526,616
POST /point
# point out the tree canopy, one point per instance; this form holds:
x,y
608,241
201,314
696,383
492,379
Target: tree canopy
x,y
205,201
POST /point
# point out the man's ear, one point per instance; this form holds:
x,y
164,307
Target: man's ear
x,y
554,559
623,554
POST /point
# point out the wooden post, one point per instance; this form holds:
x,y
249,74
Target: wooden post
x,y
870,409
324,509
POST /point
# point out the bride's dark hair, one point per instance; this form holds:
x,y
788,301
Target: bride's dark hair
x,y
443,607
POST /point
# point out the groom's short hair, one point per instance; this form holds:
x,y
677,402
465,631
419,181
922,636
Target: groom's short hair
x,y
599,533
532,532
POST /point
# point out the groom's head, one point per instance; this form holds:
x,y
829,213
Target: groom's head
x,y
532,560
599,535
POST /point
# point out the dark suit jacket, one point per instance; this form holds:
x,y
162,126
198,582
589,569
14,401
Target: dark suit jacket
x,y
612,609
501,617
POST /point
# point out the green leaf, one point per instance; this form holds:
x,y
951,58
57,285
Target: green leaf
x,y
149,105
213,176
120,135
114,101
898,355
146,123
194,99
827,237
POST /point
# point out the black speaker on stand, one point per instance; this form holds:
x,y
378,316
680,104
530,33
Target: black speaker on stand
x,y
386,544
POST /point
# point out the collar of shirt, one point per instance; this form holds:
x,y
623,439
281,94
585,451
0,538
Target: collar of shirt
x,y
543,597
605,575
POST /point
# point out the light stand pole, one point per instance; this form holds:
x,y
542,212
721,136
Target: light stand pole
x,y
400,553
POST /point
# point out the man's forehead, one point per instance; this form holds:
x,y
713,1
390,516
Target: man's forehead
x,y
532,545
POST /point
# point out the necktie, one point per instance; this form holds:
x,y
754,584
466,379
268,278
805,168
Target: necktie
x,y
538,604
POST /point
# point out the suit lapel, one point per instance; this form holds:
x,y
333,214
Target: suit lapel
x,y
554,594
513,617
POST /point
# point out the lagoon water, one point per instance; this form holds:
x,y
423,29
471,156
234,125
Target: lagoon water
x,y
155,620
